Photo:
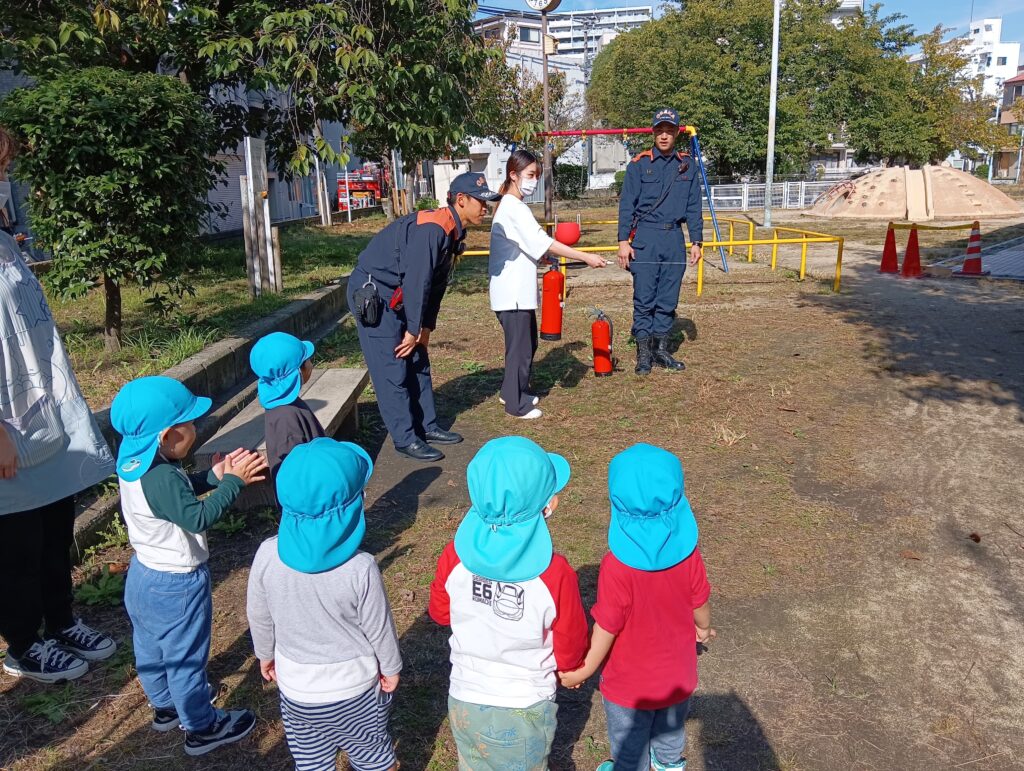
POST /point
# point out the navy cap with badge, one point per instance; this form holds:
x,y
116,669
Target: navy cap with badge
x,y
473,184
665,115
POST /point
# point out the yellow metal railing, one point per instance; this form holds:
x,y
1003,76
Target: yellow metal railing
x,y
803,238
915,226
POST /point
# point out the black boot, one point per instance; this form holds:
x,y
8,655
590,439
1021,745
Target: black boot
x,y
663,358
643,356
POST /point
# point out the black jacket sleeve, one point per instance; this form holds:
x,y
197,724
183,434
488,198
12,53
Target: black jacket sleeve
x,y
419,260
628,199
694,214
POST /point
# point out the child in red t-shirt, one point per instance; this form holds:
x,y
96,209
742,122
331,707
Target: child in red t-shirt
x,y
652,596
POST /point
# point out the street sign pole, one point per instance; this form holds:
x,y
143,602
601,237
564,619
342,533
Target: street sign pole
x,y
769,169
548,181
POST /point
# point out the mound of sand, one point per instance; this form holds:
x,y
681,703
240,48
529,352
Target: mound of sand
x,y
916,195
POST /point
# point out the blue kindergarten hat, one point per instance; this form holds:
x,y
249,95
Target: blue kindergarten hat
x,y
276,359
652,525
665,115
504,536
141,410
320,487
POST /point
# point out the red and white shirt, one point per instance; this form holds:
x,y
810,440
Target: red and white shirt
x,y
508,639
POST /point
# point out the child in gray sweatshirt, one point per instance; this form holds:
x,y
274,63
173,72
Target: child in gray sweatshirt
x,y
319,616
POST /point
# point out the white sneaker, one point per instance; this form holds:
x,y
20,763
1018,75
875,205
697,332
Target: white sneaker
x,y
531,415
535,401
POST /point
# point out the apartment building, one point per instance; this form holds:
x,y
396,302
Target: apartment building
x,y
993,58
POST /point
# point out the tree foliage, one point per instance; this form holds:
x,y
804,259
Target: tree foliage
x,y
399,73
119,165
508,105
851,83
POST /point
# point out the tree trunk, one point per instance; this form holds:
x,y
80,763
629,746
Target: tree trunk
x,y
112,315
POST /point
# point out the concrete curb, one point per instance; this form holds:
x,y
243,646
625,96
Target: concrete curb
x,y
222,371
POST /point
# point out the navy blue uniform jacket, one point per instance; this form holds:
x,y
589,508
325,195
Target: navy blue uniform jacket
x,y
415,252
647,176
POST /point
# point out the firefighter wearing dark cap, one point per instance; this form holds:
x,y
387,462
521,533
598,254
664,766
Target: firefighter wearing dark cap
x,y
395,294
661,191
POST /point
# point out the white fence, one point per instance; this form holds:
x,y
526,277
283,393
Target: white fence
x,y
785,195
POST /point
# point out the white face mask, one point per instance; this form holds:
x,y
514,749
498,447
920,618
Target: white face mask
x,y
528,186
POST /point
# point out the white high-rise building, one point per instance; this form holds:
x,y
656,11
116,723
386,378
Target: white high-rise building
x,y
582,34
991,57
846,9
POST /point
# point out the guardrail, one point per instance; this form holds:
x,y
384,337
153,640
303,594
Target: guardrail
x,y
805,239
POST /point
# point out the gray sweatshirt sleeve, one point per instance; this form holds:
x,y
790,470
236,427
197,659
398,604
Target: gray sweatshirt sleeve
x,y
377,623
261,624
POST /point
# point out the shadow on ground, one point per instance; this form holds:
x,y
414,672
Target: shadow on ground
x,y
951,340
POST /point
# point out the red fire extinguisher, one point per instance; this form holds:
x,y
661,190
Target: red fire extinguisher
x,y
601,332
552,293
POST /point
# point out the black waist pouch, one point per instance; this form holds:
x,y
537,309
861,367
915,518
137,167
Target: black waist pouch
x,y
368,303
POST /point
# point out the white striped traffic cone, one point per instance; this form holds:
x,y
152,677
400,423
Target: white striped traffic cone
x,y
972,262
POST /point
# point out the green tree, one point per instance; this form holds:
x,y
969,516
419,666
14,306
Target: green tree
x,y
120,165
849,83
400,73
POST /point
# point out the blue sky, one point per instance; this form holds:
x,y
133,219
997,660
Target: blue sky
x,y
923,14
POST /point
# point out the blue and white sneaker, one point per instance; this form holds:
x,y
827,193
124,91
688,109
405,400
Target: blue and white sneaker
x,y
608,765
46,662
166,718
657,765
228,728
85,642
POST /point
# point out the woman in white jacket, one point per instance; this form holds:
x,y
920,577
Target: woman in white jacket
x,y
518,244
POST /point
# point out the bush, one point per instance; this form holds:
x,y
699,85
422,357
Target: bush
x,y
981,171
119,164
620,180
570,181
427,203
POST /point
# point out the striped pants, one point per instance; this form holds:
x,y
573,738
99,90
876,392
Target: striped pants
x,y
357,726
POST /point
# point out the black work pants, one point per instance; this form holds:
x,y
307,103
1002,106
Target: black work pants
x,y
35,573
404,387
520,329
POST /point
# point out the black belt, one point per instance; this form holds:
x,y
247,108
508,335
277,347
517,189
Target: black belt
x,y
659,225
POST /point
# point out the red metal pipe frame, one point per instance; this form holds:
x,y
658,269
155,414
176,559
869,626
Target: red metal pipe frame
x,y
608,132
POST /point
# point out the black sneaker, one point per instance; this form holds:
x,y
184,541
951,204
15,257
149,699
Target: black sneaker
x,y
228,728
85,642
46,662
166,718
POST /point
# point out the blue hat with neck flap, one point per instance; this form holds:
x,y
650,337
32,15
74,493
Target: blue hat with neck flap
x,y
277,359
320,487
504,536
652,525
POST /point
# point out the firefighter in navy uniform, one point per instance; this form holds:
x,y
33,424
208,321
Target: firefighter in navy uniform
x,y
662,190
395,293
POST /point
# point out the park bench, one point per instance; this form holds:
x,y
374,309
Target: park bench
x,y
333,396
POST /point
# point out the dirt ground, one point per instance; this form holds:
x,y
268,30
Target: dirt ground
x,y
852,463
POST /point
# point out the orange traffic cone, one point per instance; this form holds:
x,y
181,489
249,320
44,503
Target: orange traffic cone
x,y
972,263
912,259
890,264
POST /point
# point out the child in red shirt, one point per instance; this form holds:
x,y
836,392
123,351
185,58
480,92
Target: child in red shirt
x,y
652,596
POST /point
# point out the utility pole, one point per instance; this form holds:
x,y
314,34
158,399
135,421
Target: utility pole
x,y
1020,153
769,171
999,106
549,188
